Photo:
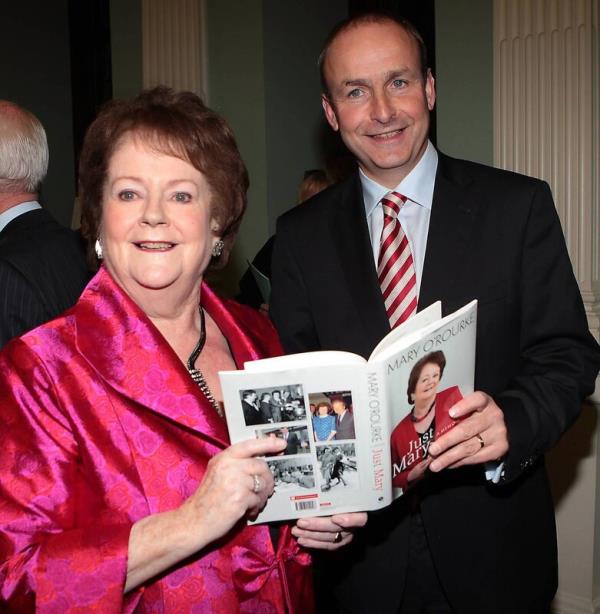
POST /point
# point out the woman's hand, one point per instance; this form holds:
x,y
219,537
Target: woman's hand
x,y
328,532
235,485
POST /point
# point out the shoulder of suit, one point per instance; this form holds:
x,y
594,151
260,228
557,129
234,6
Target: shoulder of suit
x,y
36,233
466,171
320,206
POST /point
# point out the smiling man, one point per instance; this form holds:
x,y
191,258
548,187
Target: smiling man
x,y
410,227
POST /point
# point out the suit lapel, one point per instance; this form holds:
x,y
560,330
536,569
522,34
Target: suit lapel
x,y
351,241
132,357
451,226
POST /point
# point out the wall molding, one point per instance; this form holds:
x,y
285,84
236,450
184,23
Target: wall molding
x,y
566,603
174,44
546,112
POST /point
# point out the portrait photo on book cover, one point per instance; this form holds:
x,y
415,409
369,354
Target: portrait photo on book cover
x,y
338,469
273,405
332,415
291,473
296,438
427,419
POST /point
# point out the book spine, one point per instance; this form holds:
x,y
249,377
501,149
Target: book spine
x,y
379,434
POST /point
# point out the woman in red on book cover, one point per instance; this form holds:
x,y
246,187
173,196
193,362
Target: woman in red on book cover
x,y
427,420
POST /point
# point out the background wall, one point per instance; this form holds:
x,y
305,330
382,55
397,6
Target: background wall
x,y
298,137
36,73
126,47
464,79
236,89
262,77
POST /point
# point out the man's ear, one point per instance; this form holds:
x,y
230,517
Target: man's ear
x,y
329,112
430,90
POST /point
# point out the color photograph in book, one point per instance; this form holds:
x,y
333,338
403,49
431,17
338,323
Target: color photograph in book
x,y
437,380
332,415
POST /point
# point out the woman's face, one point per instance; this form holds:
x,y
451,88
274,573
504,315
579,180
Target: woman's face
x,y
156,225
323,410
426,387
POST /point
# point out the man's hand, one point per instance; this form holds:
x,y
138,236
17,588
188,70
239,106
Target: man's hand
x,y
328,532
479,437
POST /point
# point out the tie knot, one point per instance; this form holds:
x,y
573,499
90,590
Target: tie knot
x,y
391,203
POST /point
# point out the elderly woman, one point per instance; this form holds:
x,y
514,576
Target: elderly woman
x,y
119,491
427,420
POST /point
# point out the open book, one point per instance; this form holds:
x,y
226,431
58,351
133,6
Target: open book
x,y
358,431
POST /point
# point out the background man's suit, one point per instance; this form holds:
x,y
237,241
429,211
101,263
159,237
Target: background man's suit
x,y
493,236
293,443
345,426
42,272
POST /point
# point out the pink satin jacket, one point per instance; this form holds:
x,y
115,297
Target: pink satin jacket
x,y
102,426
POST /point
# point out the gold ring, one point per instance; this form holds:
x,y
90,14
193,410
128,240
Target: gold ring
x,y
257,484
481,442
338,537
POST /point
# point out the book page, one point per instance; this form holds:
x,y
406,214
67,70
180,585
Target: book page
x,y
418,321
423,381
323,414
304,360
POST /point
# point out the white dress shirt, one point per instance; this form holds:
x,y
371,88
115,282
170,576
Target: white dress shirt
x,y
414,215
10,214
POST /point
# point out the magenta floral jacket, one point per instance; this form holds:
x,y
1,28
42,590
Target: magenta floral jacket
x,y
102,426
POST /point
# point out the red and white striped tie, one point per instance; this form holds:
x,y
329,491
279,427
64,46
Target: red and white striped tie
x,y
396,269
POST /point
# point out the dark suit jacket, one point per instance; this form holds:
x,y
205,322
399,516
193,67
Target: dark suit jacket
x,y
345,428
42,272
252,414
494,236
293,443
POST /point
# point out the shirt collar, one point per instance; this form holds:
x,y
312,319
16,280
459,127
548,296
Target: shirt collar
x,y
10,214
417,186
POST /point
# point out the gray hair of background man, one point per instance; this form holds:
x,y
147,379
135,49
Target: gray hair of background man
x,y
23,150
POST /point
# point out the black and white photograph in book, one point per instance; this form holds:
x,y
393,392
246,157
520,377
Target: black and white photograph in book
x,y
337,466
290,473
273,405
296,437
332,415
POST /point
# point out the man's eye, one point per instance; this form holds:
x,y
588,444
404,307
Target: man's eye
x,y
126,195
355,93
399,83
182,197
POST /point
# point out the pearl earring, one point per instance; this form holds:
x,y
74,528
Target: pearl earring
x,y
98,249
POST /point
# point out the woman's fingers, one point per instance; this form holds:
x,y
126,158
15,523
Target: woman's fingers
x,y
236,484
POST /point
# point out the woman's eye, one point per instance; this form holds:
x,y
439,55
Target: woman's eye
x,y
182,197
126,195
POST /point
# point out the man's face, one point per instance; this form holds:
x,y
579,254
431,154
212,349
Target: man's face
x,y
338,407
377,99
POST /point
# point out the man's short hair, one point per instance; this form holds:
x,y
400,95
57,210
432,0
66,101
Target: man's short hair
x,y
23,149
379,17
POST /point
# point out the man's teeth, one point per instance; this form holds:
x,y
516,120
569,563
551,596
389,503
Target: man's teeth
x,y
388,135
